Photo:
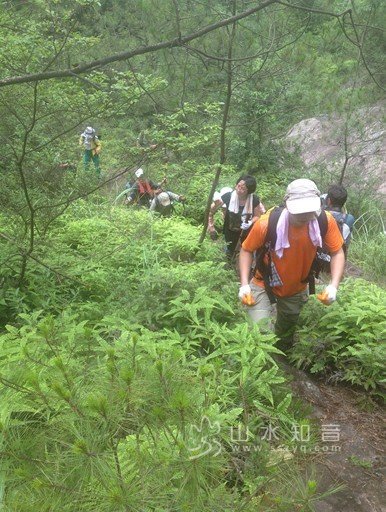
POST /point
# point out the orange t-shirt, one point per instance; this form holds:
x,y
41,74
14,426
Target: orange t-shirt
x,y
294,266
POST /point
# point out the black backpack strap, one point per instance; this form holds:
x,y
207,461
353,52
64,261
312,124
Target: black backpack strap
x,y
272,225
265,251
316,264
323,224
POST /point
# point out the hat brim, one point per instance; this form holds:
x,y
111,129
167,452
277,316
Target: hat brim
x,y
303,205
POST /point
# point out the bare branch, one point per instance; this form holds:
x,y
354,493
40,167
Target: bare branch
x,y
87,67
178,18
316,11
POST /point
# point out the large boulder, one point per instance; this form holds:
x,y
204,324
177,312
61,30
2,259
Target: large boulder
x,y
357,138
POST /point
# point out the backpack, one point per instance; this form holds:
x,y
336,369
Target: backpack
x,y
269,243
344,228
345,231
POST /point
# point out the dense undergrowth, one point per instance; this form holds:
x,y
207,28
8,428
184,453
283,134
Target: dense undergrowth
x,y
346,340
132,381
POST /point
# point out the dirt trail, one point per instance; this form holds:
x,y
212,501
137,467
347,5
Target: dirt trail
x,y
360,462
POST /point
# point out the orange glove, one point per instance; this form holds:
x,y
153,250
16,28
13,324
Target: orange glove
x,y
245,294
328,296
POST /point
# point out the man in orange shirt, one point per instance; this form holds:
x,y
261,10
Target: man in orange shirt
x,y
298,235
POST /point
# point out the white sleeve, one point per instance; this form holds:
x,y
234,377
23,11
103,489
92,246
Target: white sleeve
x,y
173,196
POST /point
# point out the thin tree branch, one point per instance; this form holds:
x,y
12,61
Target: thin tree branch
x,y
143,87
178,19
65,132
251,57
360,46
316,11
224,125
58,52
88,82
19,166
87,67
70,200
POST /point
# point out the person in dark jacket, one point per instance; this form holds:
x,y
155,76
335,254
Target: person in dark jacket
x,y
242,208
334,203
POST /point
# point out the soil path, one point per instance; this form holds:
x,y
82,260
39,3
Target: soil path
x,y
359,463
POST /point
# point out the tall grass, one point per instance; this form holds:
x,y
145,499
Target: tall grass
x,y
368,246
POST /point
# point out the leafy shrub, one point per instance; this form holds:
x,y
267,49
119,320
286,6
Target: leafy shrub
x,y
108,376
346,339
100,418
108,256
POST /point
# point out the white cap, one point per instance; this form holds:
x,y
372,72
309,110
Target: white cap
x,y
163,198
302,196
139,172
224,190
89,129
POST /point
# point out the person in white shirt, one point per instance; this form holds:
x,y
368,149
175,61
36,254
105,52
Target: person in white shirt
x,y
92,146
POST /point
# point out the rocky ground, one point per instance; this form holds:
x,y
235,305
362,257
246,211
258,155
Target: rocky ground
x,y
359,464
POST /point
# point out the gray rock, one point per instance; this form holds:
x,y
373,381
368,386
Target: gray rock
x,y
321,141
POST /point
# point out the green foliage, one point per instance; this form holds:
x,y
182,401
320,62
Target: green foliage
x,y
346,340
122,333
117,255
91,414
368,247
106,398
369,253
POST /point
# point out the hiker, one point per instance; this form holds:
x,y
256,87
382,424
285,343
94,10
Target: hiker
x,y
242,209
217,195
92,148
336,198
162,202
286,240
217,202
142,190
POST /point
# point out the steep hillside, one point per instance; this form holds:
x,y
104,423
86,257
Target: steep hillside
x,y
355,142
